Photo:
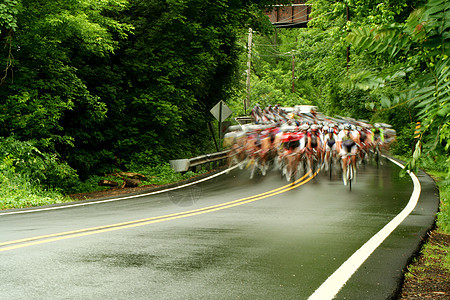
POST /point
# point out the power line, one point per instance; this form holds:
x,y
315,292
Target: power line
x,y
271,45
290,53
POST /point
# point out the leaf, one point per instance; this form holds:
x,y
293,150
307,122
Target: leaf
x,y
425,102
445,99
438,6
385,102
427,112
425,99
444,111
443,87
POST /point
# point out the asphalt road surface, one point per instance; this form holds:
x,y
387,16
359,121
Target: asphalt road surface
x,y
228,237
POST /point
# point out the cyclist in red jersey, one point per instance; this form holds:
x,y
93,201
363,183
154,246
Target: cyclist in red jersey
x,y
290,155
314,142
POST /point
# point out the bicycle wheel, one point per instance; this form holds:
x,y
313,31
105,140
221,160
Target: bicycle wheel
x,y
252,168
350,175
377,157
263,167
288,172
330,165
300,166
309,165
234,160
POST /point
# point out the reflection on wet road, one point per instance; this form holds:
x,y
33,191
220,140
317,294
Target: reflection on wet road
x,y
230,237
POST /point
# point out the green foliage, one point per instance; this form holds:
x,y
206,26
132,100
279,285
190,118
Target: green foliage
x,y
108,84
443,221
435,164
310,53
326,14
26,176
425,31
20,192
38,167
159,174
47,100
8,13
167,76
164,174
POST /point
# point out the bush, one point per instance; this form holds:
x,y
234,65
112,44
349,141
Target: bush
x,y
162,174
19,191
44,169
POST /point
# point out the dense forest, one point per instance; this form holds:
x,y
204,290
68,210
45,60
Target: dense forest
x,y
89,87
369,60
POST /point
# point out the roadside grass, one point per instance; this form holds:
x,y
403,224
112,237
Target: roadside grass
x,y
437,169
433,262
443,216
433,257
20,192
17,191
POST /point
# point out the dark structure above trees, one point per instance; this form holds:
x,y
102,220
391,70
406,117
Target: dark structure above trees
x,y
294,15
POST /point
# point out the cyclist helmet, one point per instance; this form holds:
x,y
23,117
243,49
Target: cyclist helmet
x,y
325,128
377,125
314,127
348,126
304,127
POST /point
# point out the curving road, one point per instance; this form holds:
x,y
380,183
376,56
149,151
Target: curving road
x,y
225,238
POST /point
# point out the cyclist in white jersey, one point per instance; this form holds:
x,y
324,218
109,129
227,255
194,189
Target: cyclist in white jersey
x,y
329,142
346,142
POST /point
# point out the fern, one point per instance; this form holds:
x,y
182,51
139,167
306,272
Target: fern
x,y
426,31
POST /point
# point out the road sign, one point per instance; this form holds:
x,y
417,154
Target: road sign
x,y
221,111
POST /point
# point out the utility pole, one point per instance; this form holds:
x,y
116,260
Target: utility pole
x,y
348,47
276,44
247,101
293,73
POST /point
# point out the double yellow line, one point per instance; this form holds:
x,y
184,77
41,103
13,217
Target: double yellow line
x,y
42,239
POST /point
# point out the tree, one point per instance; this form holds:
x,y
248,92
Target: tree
x,y
44,98
164,79
108,83
421,46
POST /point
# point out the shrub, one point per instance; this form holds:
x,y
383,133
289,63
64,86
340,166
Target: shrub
x,y
44,169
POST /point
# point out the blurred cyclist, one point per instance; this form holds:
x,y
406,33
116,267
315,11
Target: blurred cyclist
x,y
346,143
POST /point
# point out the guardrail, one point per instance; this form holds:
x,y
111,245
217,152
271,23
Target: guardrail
x,y
194,164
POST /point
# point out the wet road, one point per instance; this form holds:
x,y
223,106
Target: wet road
x,y
227,238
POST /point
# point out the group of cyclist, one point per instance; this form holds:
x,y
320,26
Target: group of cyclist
x,y
301,139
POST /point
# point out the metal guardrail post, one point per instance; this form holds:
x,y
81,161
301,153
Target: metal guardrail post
x,y
184,165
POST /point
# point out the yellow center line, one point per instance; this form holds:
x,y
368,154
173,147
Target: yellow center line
x,y
130,224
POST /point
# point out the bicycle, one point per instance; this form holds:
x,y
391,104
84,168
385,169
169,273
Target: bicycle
x,y
302,165
253,165
330,161
364,154
234,156
350,173
377,154
290,167
313,161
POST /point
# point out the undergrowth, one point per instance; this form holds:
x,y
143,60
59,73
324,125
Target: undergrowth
x,y
21,191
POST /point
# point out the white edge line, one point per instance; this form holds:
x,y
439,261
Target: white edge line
x,y
120,198
330,288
